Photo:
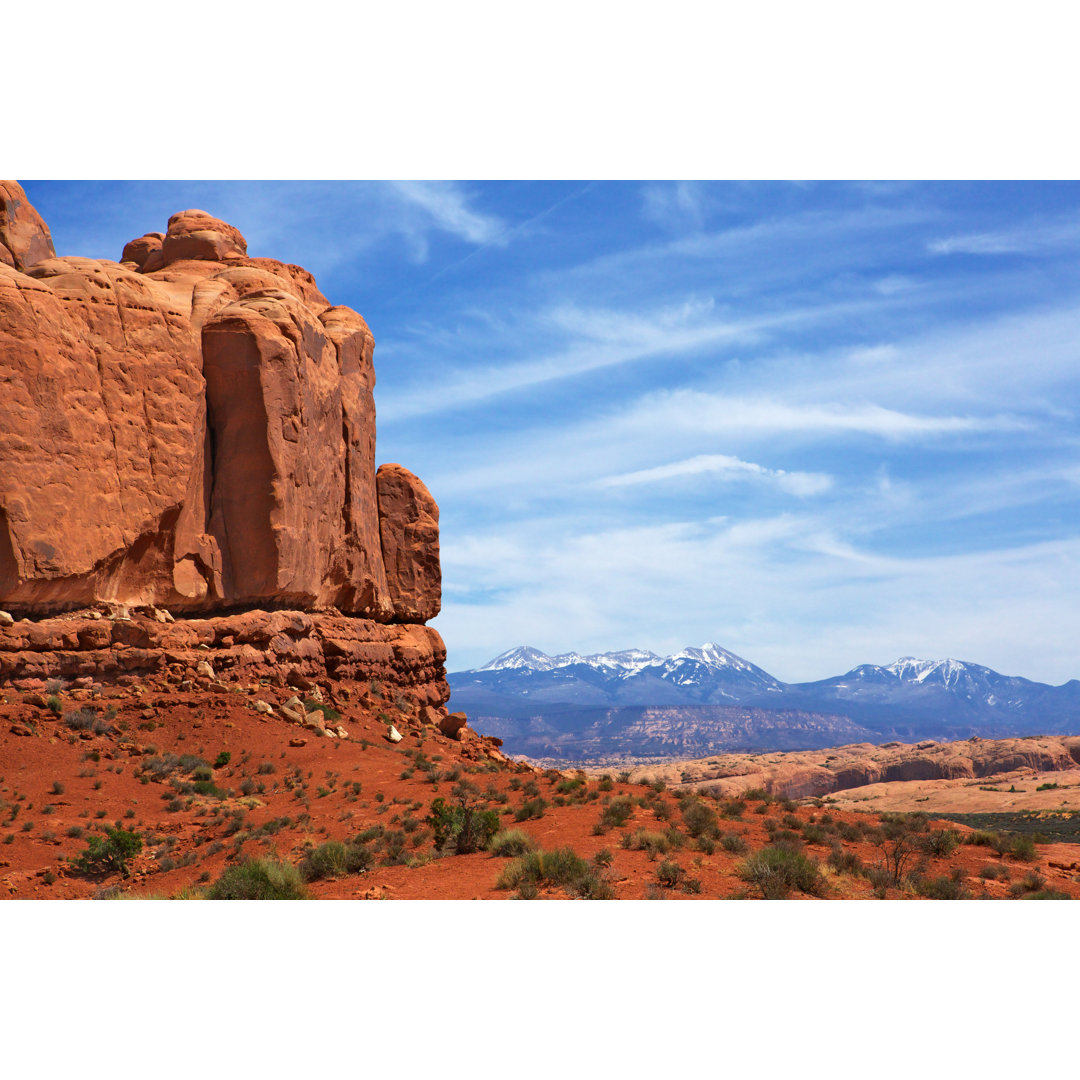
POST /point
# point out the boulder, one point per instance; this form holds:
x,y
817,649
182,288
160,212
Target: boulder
x,y
453,725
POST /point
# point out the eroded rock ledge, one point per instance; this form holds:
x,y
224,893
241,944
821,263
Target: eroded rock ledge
x,y
281,648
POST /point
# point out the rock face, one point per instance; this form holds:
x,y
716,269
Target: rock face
x,y
409,530
24,237
194,428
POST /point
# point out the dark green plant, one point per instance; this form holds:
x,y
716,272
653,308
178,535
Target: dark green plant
x,y
108,853
462,826
616,812
222,759
531,808
669,874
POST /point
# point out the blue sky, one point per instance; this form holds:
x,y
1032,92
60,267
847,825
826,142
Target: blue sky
x,y
820,424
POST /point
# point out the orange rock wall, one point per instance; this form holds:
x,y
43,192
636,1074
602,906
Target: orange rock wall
x,y
195,429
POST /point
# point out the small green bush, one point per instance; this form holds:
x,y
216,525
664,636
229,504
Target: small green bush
x,y
222,759
563,868
777,870
700,818
939,843
617,812
108,853
259,879
531,808
335,859
734,843
461,826
940,888
669,874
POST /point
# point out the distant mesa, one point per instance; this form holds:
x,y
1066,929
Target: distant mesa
x,y
194,428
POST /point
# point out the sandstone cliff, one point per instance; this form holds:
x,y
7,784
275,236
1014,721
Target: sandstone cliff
x,y
194,428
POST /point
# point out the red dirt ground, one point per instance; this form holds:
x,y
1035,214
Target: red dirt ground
x,y
55,782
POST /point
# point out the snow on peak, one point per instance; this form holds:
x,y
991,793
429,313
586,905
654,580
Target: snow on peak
x,y
521,656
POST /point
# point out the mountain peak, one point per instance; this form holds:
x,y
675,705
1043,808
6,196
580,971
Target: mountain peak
x,y
521,656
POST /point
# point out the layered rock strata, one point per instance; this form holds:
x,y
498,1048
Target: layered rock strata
x,y
293,648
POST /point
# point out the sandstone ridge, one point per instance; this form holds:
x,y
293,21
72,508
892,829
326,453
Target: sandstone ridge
x,y
194,428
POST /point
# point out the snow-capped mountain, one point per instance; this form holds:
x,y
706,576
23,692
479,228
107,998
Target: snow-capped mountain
x,y
694,674
908,699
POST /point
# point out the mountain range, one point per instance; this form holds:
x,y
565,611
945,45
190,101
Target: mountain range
x,y
636,704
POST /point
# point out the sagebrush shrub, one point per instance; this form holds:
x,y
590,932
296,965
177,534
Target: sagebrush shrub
x,y
259,879
778,870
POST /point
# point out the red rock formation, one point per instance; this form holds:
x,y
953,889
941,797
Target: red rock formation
x,y
194,428
409,523
24,237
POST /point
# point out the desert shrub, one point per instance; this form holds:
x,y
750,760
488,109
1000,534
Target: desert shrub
x,y
1021,848
700,819
335,859
881,879
259,879
606,783
617,812
604,857
777,870
654,843
531,808
814,834
942,887
983,838
624,776
562,868
54,704
1032,881
1047,787
462,826
87,719
734,843
510,843
265,768
939,843
222,759
994,870
669,874
849,831
732,808
108,853
1046,894
845,862
791,821
57,788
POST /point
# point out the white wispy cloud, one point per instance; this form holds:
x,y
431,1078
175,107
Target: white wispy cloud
x,y
1034,237
448,207
720,413
727,467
